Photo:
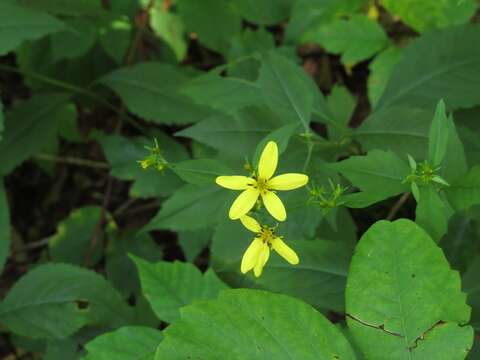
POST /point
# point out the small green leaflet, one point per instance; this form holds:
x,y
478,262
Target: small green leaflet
x,y
438,136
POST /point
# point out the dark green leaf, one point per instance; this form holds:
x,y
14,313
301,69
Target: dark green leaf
x,y
4,226
465,191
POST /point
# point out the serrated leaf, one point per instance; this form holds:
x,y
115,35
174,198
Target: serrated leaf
x,y
438,136
431,14
44,303
403,130
30,126
181,211
465,191
402,297
355,39
252,324
4,226
200,16
72,241
431,61
170,286
152,91
380,70
124,153
378,172
18,24
433,212
285,88
126,343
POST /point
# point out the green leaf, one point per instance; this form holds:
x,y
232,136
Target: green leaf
x,y
62,349
30,126
252,324
126,343
438,136
152,91
380,71
194,242
286,89
471,287
181,211
55,300
266,12
124,153
454,163
170,286
341,104
431,61
91,8
403,130
73,239
1,120
355,39
75,41
430,14
4,226
200,171
18,24
433,212
169,28
225,94
465,191
378,172
200,16
115,37
402,297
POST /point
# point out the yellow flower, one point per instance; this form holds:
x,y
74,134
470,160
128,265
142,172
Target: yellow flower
x,y
262,184
258,252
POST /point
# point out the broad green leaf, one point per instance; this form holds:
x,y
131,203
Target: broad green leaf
x,y
151,90
403,130
170,286
286,89
378,172
194,242
250,324
115,37
72,243
266,12
76,40
431,14
225,94
181,211
308,15
200,171
465,191
238,134
403,299
214,21
120,269
169,27
433,212
437,58
380,70
30,126
18,24
341,104
73,8
247,44
454,163
124,153
438,136
126,343
472,288
355,39
4,226
55,300
62,349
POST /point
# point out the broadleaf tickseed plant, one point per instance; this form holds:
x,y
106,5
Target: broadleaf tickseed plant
x,y
262,184
257,254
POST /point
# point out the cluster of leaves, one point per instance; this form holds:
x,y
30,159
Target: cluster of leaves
x,y
89,84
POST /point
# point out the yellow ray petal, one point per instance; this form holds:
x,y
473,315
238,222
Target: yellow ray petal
x,y
250,257
285,251
268,161
288,181
274,205
263,256
234,182
250,223
243,203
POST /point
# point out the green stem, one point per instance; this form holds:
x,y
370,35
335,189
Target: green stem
x,y
72,161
